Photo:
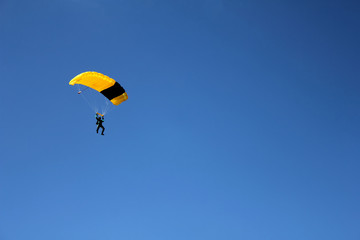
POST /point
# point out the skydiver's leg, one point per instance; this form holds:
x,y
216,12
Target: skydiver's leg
x,y
103,129
97,130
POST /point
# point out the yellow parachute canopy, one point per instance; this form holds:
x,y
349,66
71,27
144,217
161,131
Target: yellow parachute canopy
x,y
103,84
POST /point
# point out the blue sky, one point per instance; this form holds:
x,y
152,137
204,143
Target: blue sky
x,y
242,120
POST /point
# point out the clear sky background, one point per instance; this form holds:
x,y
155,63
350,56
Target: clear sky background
x,y
242,120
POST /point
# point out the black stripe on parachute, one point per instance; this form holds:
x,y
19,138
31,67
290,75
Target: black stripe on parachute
x,y
113,91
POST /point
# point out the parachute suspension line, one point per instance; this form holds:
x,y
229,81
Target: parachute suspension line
x,y
107,107
103,106
91,105
96,101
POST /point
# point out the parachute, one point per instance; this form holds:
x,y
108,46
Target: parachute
x,y
94,86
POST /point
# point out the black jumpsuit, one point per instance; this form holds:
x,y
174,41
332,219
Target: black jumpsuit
x,y
99,122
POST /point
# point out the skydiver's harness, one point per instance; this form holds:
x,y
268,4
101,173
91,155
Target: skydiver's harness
x,y
99,119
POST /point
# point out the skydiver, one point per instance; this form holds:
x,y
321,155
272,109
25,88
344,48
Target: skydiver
x,y
99,121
